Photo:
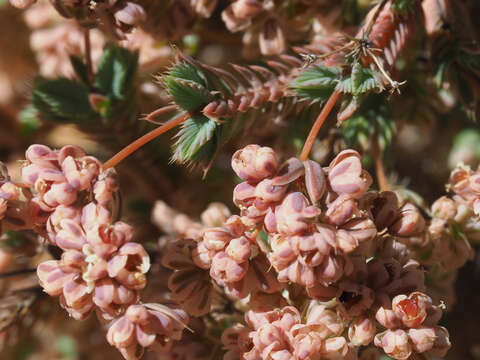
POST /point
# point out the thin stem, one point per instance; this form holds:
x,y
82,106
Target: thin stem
x,y
379,169
88,54
318,124
129,149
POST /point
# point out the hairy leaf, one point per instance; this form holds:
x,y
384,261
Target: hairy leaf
x,y
116,72
360,81
189,95
317,83
62,100
195,133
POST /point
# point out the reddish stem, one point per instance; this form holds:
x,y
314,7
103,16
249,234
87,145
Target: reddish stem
x,y
126,151
318,124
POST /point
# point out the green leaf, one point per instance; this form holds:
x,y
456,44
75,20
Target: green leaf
x,y
29,122
116,72
62,100
360,81
194,135
80,69
317,83
186,71
187,94
374,116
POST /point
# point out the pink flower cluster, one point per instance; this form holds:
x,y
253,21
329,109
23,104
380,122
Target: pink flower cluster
x,y
68,196
65,177
100,265
150,326
465,183
308,246
281,334
411,323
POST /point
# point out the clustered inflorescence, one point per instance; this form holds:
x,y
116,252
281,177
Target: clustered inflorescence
x,y
321,265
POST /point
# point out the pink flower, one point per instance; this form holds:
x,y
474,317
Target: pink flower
x,y
254,163
346,177
362,331
395,343
294,215
411,310
149,325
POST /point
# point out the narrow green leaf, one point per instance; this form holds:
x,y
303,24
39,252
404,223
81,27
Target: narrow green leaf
x,y
116,72
187,71
62,100
360,81
316,84
195,133
187,94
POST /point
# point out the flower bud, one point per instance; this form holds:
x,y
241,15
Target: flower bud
x,y
395,343
409,223
315,181
244,9
293,214
442,343
346,176
272,39
131,14
422,339
362,331
215,215
254,163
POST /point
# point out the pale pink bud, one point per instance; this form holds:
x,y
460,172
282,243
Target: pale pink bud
x,y
409,223
204,7
395,344
254,163
71,235
315,181
387,318
130,265
244,9
340,210
346,176
268,192
239,249
76,293
93,215
40,154
243,194
215,215
202,256
216,238
224,268
62,193
442,343
131,14
272,39
411,310
80,172
444,208
328,323
362,331
105,187
307,346
335,348
294,214
52,278
422,339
